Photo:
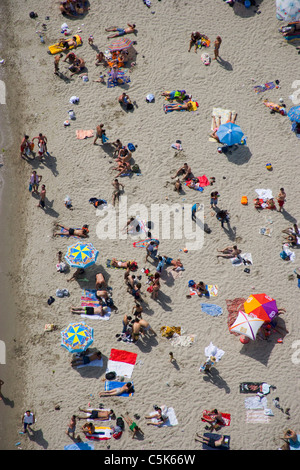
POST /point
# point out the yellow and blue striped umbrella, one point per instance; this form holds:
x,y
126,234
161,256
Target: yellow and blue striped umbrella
x,y
81,255
77,337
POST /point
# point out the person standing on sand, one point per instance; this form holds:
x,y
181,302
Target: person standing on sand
x,y
27,420
72,427
117,190
218,42
281,199
56,63
42,197
100,134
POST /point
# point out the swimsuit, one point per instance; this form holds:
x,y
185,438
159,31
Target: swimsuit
x,y
94,414
71,231
121,31
86,360
89,310
133,426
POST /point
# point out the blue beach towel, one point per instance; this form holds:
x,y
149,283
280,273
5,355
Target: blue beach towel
x,y
215,437
212,309
80,446
110,385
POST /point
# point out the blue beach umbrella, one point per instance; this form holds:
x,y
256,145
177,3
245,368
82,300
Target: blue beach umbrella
x,y
230,133
77,337
294,114
81,255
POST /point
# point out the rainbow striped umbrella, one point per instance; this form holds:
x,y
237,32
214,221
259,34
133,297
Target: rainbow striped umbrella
x,y
77,337
120,44
81,255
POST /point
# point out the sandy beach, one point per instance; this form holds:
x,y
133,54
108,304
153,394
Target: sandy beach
x,y
37,374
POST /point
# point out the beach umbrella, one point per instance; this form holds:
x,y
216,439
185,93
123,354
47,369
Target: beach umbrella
x,y
246,325
261,306
294,114
77,337
81,255
288,10
120,44
230,133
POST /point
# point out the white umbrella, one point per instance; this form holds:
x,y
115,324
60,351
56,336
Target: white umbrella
x,y
288,10
246,325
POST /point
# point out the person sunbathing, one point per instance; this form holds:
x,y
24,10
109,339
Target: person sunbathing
x,y
134,428
184,106
102,415
257,204
159,416
65,44
88,429
124,155
271,204
216,126
121,31
293,238
174,95
184,171
120,264
215,418
294,230
89,310
195,38
84,360
82,233
126,388
212,442
123,168
100,59
229,252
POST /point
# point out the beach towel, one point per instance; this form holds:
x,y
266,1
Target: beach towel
x,y
212,310
110,385
289,252
265,231
81,134
238,261
79,446
96,363
97,419
215,437
121,79
255,387
257,416
121,362
295,445
264,194
102,433
182,340
226,418
256,403
89,299
265,87
212,290
144,243
224,113
170,413
201,182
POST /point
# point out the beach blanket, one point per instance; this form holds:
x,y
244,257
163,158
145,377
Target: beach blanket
x,y
255,387
110,385
202,181
212,309
264,194
256,403
79,446
257,416
97,419
102,433
96,363
233,307
65,233
224,113
121,79
170,413
182,340
215,437
89,299
265,87
121,362
289,252
81,134
226,418
295,445
212,290
144,243
238,261
265,231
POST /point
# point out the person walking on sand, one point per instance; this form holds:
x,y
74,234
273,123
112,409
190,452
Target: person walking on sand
x,y
34,182
71,427
100,133
56,63
42,197
121,31
218,42
27,420
281,199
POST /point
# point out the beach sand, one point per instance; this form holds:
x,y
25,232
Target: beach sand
x,y
37,373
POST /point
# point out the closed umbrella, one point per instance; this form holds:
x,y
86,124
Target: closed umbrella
x,y
288,10
230,133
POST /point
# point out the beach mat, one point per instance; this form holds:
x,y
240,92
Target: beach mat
x,y
226,418
79,446
215,437
81,134
261,88
212,309
238,261
252,387
224,113
170,413
102,433
110,385
257,416
55,49
121,362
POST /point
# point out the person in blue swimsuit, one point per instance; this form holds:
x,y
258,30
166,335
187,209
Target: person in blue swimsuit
x,y
121,31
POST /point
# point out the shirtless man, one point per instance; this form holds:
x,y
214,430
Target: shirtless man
x,y
218,42
229,252
84,360
83,232
117,192
127,388
101,415
89,310
42,197
77,66
25,146
99,132
281,199
42,139
71,57
145,327
118,146
185,170
66,44
124,156
56,63
195,37
100,281
121,31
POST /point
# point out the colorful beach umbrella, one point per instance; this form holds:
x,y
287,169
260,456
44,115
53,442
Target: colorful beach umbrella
x,y
120,44
77,337
246,325
261,306
288,10
294,114
81,255
230,133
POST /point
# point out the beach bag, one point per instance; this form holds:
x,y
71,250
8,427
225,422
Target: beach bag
x,y
117,432
110,375
135,168
244,200
131,147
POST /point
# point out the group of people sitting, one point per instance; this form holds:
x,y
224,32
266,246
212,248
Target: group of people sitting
x,y
73,7
134,327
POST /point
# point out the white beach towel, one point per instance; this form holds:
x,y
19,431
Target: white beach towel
x,y
264,194
171,421
182,340
238,261
289,252
257,416
121,362
106,316
256,403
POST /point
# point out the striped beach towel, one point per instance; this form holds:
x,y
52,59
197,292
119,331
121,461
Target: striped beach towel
x,y
265,87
